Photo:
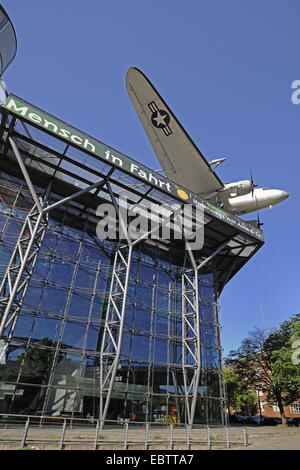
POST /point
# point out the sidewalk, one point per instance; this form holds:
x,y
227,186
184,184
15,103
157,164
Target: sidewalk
x,y
272,438
48,438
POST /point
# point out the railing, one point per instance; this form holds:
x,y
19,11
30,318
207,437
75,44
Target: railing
x,y
24,431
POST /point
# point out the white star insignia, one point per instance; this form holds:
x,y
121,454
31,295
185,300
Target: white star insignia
x,y
160,119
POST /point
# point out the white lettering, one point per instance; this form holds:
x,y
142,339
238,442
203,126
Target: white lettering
x,y
106,227
139,225
76,139
152,179
133,167
116,160
142,174
12,105
35,118
112,158
295,95
49,123
171,459
64,133
87,143
120,460
149,177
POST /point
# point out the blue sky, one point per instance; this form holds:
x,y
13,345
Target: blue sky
x,y
225,68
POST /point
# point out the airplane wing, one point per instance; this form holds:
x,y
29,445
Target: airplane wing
x,y
180,159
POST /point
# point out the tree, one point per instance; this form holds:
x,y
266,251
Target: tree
x,y
266,363
238,394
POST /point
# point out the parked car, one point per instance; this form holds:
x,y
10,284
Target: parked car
x,y
236,418
256,419
294,421
272,421
239,418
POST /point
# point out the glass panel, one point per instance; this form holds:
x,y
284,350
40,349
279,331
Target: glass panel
x,y
85,278
46,327
79,306
61,272
54,300
140,348
142,320
74,335
11,233
144,295
207,312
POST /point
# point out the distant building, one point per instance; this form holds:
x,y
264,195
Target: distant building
x,y
272,411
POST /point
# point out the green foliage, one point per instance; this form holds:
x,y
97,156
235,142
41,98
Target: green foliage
x,y
239,396
285,373
266,362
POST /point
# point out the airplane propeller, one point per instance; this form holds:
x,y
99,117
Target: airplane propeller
x,y
252,183
259,223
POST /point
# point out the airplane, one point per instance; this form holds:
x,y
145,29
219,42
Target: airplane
x,y
181,160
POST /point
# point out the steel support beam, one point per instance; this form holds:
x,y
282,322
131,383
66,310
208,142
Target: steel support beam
x,y
19,270
15,281
20,267
115,316
25,173
116,309
191,341
114,325
191,331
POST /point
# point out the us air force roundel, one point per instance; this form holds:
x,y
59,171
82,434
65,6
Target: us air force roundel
x,y
160,118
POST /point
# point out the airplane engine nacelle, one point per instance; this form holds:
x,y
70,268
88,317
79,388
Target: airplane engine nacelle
x,y
239,188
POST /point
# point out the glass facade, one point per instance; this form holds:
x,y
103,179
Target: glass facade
x,y
50,360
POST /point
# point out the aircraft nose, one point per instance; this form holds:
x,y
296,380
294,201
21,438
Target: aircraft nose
x,y
284,195
280,195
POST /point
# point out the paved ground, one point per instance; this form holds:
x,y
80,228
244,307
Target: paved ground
x,y
259,438
272,438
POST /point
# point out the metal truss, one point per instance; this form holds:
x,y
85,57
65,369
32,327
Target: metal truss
x,y
21,265
114,325
191,343
191,331
15,282
116,312
116,309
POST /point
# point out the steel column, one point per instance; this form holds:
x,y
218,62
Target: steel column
x,y
191,341
191,331
114,325
116,309
21,266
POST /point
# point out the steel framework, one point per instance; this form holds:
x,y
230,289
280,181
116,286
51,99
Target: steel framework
x,y
191,330
15,282
116,309
224,244
16,279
